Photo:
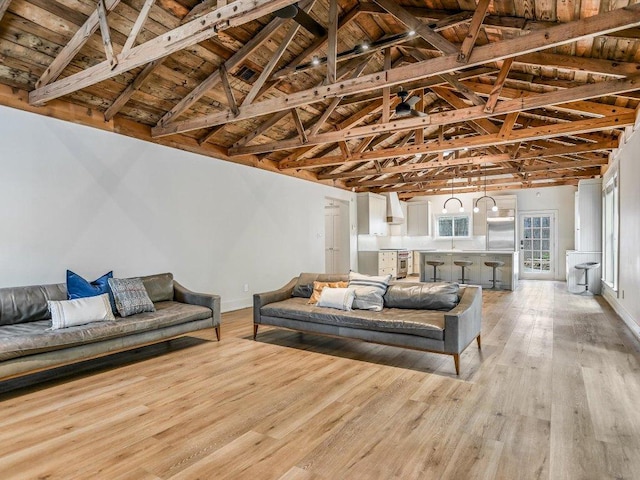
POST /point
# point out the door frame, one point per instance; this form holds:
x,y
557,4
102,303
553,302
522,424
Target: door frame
x,y
346,232
554,245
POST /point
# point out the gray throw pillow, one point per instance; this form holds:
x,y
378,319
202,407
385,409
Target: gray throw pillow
x,y
369,290
130,295
422,296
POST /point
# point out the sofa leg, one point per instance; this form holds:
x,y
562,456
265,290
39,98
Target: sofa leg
x,y
255,330
456,361
479,342
217,329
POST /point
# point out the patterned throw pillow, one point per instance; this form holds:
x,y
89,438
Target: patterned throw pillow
x,y
69,313
131,296
318,286
369,290
340,298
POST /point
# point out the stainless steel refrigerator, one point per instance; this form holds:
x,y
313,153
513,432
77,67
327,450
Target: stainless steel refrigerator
x,y
501,230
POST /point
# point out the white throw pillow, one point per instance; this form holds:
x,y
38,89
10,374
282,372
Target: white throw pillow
x,y
369,290
69,313
340,298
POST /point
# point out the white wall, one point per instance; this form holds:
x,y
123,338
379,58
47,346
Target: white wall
x,y
92,201
626,300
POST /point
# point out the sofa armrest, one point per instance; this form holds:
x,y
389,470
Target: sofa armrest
x,y
463,323
184,295
262,299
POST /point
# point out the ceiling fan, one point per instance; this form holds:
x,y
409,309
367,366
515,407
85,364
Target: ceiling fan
x,y
406,106
303,18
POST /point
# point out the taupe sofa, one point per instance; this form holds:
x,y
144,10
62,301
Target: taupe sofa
x,y
448,332
27,343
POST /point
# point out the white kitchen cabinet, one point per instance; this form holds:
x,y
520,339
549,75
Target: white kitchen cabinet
x,y
588,221
372,214
378,263
503,202
418,214
410,263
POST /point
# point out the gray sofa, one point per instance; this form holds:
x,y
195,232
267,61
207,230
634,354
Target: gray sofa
x,y
28,345
448,332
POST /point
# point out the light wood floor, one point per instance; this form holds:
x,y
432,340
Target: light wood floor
x,y
554,394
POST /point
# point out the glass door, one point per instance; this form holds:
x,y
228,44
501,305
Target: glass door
x,y
538,245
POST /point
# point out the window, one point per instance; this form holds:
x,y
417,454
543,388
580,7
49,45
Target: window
x,y
449,226
610,233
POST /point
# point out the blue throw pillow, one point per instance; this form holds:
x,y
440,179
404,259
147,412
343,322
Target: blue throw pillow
x,y
78,287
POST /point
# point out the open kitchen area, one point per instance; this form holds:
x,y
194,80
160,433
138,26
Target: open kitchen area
x,y
437,237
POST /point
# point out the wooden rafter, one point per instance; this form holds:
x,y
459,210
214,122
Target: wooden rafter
x,y
228,91
560,129
70,50
106,34
299,127
461,115
137,26
332,42
554,36
474,29
494,95
232,15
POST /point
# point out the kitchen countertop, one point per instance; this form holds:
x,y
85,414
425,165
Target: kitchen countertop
x,y
487,252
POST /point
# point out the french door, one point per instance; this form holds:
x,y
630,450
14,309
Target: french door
x,y
538,245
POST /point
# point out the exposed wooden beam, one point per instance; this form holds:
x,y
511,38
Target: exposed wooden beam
x,y
256,88
419,27
201,8
332,45
210,134
299,127
461,115
106,34
474,29
73,47
214,79
554,36
137,26
526,134
386,91
582,64
228,91
508,124
232,15
317,44
4,5
128,92
494,95
263,127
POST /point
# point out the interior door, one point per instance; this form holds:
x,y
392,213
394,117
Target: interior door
x,y
336,235
538,245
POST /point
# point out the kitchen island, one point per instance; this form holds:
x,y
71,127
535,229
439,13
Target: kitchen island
x,y
476,274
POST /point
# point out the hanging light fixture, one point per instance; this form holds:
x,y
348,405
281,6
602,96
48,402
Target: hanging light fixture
x,y
444,207
475,205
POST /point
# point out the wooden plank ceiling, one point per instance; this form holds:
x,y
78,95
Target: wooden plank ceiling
x,y
524,93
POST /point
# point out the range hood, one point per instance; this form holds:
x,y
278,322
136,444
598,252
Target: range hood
x,y
394,210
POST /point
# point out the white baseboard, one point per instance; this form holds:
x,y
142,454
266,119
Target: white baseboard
x,y
610,296
238,304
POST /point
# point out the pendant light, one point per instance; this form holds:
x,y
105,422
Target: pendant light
x,y
475,205
444,207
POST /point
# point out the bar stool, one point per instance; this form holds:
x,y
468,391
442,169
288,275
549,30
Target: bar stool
x,y
494,264
462,264
586,267
435,264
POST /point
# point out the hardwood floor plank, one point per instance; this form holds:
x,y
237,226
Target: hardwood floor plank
x,y
552,395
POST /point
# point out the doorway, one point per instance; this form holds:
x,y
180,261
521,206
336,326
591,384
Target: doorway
x,y
336,235
538,245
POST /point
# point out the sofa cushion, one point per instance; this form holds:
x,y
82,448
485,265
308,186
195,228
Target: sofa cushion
x,y
78,287
131,296
159,287
68,313
36,337
369,290
423,323
319,286
28,304
337,298
304,285
429,296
